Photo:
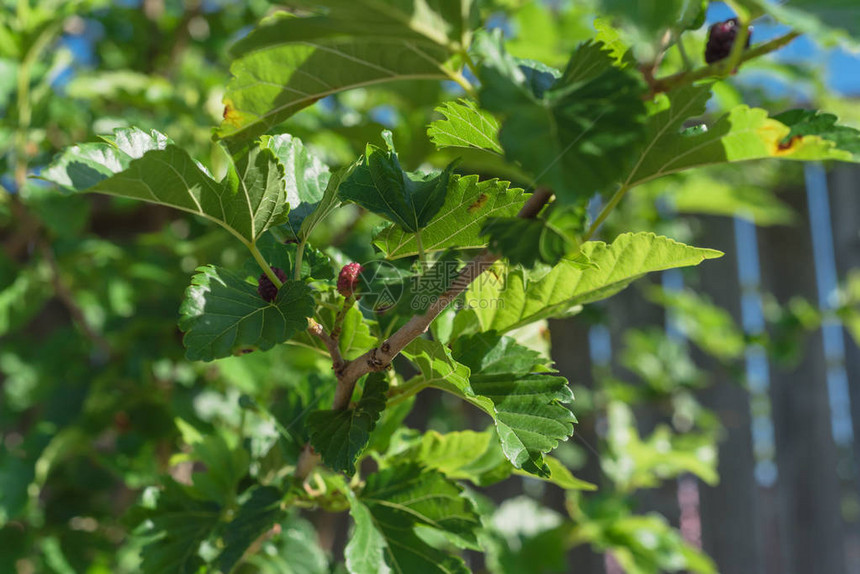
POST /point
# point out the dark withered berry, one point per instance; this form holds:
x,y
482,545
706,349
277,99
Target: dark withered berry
x,y
721,38
347,281
266,288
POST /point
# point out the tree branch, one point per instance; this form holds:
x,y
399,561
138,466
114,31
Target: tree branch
x,y
379,358
331,344
719,69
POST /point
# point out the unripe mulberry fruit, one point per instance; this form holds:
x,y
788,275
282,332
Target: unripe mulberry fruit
x,y
347,281
266,288
721,38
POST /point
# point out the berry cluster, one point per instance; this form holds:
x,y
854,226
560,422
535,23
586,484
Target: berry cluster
x,y
266,288
721,38
347,281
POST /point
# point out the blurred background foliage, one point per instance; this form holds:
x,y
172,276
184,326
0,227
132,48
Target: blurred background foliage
x,y
97,402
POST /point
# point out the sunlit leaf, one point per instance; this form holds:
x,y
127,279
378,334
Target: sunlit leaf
x,y
505,299
468,204
148,167
465,125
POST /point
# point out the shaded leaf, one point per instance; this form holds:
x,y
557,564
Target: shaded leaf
x,y
254,517
403,497
340,436
569,136
178,523
315,263
224,315
380,185
545,239
296,551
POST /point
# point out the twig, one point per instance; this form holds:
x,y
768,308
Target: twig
x,y
719,69
331,344
379,358
649,69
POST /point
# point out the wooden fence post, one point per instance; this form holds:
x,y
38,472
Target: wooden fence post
x,y
570,350
730,515
808,490
844,187
629,309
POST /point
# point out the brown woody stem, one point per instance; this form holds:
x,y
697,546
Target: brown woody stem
x,y
379,358
722,68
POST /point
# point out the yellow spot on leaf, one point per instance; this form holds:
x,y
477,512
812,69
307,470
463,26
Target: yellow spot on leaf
x,y
479,203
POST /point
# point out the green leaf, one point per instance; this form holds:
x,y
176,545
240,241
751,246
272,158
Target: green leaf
x,y
477,457
815,123
464,455
526,407
225,466
24,296
743,134
255,516
530,415
468,204
633,463
445,23
505,299
574,136
177,524
526,241
305,180
709,326
465,125
289,63
296,551
380,185
340,436
440,370
223,315
325,206
545,240
148,167
650,20
365,551
403,497
641,544
717,194
489,354
315,263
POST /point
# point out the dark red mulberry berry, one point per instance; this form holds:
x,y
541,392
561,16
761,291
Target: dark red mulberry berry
x,y
347,281
266,288
721,38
